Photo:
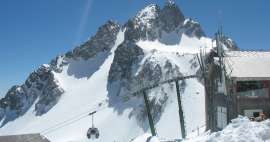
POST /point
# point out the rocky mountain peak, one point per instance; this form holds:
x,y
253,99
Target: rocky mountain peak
x,y
171,16
230,44
193,28
40,86
147,15
102,41
170,2
152,21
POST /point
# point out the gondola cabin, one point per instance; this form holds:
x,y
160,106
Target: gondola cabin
x,y
93,132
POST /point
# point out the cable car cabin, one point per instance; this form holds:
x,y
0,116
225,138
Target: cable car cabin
x,y
240,87
92,133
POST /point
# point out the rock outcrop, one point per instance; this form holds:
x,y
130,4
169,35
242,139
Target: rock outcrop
x,y
41,86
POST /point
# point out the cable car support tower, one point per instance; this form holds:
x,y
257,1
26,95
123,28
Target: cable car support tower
x,y
180,109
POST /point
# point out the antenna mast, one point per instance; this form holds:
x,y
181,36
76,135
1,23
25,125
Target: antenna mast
x,y
220,51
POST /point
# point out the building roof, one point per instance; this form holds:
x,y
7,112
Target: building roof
x,y
245,65
24,138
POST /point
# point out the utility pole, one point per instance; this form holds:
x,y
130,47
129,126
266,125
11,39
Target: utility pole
x,y
150,118
181,114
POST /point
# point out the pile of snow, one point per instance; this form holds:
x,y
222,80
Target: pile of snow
x,y
240,130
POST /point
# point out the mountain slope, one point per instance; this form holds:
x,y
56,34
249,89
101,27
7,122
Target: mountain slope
x,y
101,75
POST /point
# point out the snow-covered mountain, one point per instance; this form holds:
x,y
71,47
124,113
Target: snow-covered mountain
x,y
156,45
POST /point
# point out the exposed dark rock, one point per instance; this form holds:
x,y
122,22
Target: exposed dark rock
x,y
152,22
58,63
150,72
144,25
126,55
40,85
230,44
171,17
193,28
102,41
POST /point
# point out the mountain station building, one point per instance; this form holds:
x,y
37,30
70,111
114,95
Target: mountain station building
x,y
237,83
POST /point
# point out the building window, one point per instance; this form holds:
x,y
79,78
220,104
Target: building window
x,y
243,86
253,88
221,117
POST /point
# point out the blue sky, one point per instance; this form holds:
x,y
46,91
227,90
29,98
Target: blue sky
x,y
32,32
